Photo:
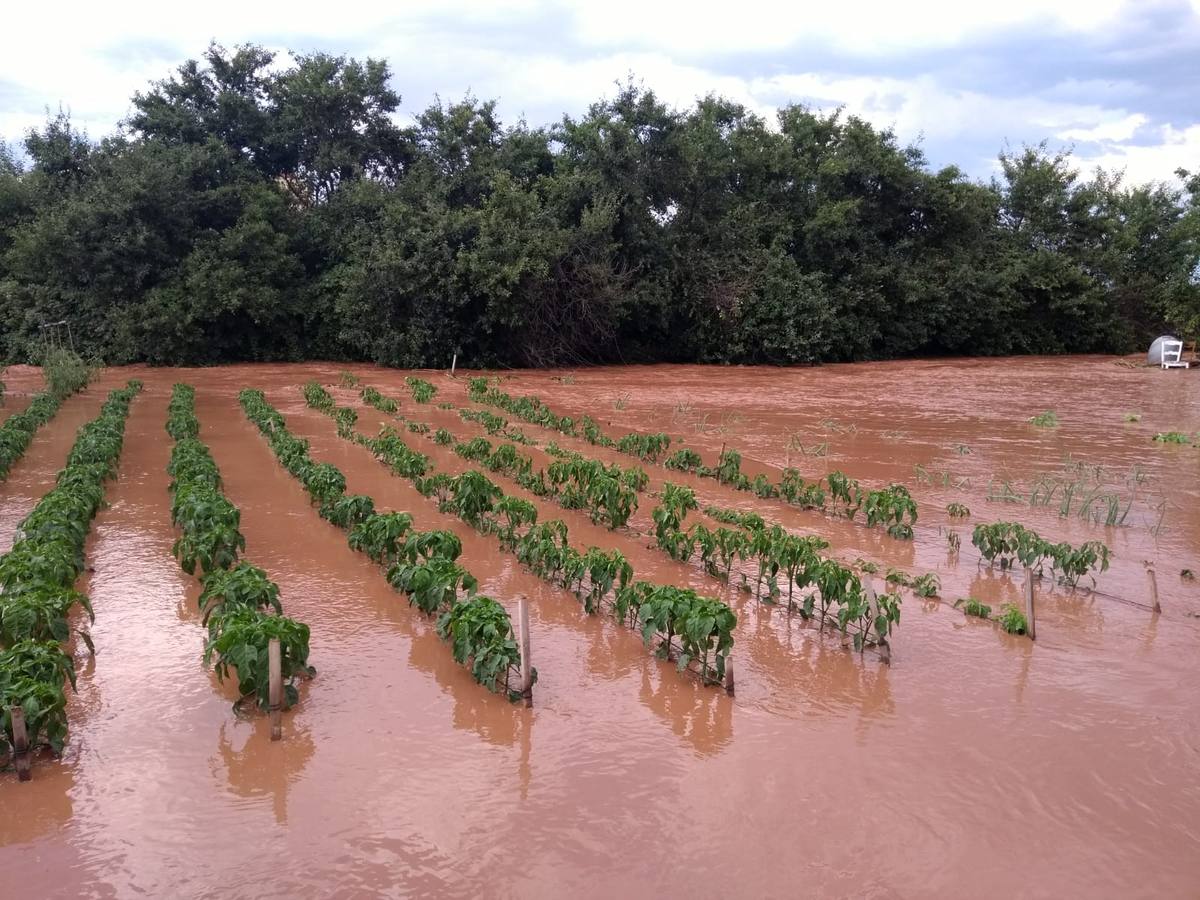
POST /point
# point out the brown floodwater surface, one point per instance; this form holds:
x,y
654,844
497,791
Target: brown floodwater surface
x,y
977,764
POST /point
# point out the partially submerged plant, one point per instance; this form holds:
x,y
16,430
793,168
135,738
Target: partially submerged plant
x,y
1047,419
973,607
1172,437
1012,619
958,511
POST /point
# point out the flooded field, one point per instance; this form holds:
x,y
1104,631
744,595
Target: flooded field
x,y
977,763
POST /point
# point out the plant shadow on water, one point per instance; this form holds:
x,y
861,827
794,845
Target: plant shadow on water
x,y
476,709
701,717
255,767
824,677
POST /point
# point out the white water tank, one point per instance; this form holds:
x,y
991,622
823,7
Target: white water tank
x,y
1154,357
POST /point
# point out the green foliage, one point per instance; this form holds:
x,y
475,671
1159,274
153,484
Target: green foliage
x,y
432,584
18,429
927,585
1047,419
38,574
1003,543
958,511
347,510
384,404
1172,437
422,390
684,460
893,507
703,626
265,208
972,607
1012,620
845,492
794,490
239,638
381,536
644,446
65,372
480,632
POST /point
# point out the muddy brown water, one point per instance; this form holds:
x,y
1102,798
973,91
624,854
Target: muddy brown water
x,y
976,764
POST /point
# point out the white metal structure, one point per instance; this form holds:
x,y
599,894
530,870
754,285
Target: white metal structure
x,y
1172,355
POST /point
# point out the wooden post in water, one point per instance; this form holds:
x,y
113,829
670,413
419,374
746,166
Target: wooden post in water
x,y
1029,604
20,743
275,695
729,676
453,365
1155,605
523,638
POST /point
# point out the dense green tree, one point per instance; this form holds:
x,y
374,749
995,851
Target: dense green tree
x,y
259,208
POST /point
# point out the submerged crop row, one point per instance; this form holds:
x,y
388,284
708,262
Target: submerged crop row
x,y
703,626
422,565
62,380
892,507
843,599
239,602
607,492
37,582
830,591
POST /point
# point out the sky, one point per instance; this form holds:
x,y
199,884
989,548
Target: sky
x,y
1117,82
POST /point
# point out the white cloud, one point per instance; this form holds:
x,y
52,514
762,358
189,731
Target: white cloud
x,y
92,57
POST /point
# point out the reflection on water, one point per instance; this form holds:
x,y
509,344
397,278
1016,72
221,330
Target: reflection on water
x,y
253,766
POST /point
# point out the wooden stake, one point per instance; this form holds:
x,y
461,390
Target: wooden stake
x,y
275,696
453,365
20,743
523,637
729,676
1157,607
1029,604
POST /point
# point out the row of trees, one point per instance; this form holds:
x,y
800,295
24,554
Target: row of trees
x,y
248,211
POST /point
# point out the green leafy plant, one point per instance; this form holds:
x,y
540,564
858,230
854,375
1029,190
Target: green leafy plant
x,y
927,585
1047,419
480,633
1172,437
958,511
894,508
372,397
239,639
422,390
1012,620
381,535
973,607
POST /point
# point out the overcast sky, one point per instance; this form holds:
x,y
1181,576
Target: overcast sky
x,y
1120,82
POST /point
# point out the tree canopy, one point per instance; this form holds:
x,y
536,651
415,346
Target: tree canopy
x,y
248,210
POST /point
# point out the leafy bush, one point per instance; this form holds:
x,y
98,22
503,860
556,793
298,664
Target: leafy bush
x,y
973,607
1012,619
239,638
422,390
480,632
65,372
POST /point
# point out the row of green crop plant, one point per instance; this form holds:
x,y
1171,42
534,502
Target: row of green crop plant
x,y
702,625
421,565
494,425
18,429
869,620
695,631
1005,543
647,447
608,493
239,603
829,591
37,581
891,508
